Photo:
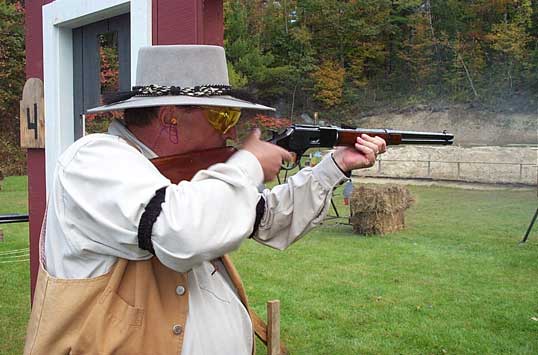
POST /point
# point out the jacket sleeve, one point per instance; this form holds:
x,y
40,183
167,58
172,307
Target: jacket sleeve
x,y
210,215
105,185
300,204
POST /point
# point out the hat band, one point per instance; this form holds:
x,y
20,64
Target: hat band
x,y
159,90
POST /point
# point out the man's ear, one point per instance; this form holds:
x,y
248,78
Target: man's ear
x,y
182,115
166,115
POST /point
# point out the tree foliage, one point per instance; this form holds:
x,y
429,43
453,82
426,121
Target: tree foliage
x,y
12,78
329,83
357,55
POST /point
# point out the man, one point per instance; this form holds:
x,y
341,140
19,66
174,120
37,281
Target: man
x,y
100,290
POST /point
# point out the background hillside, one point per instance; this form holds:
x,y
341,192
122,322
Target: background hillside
x,y
347,58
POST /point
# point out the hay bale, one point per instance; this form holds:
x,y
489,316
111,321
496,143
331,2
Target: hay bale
x,y
379,209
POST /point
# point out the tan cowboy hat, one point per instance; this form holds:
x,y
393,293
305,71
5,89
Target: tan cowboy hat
x,y
185,75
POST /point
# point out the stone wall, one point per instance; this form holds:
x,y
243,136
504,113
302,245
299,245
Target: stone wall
x,y
511,165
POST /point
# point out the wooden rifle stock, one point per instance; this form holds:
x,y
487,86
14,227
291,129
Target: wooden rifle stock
x,y
182,167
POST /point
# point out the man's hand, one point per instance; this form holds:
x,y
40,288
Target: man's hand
x,y
362,155
269,155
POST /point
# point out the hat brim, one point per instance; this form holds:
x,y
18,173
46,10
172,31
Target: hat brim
x,y
180,100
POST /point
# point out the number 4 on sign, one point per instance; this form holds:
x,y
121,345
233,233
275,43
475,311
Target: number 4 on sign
x,y
32,121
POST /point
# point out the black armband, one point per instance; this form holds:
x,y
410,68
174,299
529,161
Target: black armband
x,y
148,219
260,211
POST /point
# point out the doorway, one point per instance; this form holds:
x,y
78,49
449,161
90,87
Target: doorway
x,y
101,63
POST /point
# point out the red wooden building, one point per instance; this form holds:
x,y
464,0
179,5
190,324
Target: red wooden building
x,y
61,38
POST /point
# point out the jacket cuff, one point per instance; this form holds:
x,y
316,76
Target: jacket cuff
x,y
249,165
328,173
347,174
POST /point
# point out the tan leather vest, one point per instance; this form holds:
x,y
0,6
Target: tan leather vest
x,y
138,308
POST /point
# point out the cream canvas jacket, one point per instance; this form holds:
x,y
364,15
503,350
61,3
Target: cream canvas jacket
x,y
102,184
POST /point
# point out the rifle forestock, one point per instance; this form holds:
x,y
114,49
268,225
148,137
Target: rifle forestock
x,y
394,137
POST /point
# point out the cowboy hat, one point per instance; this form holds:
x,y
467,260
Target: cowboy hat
x,y
182,75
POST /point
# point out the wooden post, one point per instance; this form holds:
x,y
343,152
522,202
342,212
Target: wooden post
x,y
1,235
273,327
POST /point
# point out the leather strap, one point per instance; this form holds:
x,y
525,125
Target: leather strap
x,y
260,327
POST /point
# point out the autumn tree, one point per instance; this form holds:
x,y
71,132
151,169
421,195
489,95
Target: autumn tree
x,y
510,39
12,78
329,83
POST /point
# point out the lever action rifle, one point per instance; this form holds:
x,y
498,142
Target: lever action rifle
x,y
297,139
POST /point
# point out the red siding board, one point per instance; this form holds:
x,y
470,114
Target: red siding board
x,y
34,39
188,22
36,157
176,22
213,22
36,204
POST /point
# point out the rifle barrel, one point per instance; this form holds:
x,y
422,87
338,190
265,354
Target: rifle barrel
x,y
426,141
428,136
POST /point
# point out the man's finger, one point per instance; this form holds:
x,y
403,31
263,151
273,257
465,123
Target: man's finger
x,y
368,144
367,137
381,144
286,156
367,152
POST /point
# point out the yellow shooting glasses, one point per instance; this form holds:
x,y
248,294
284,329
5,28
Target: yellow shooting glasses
x,y
222,118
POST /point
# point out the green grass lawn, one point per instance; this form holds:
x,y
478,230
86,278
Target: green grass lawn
x,y
454,282
14,268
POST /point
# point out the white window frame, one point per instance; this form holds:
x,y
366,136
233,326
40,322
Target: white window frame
x,y
59,19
